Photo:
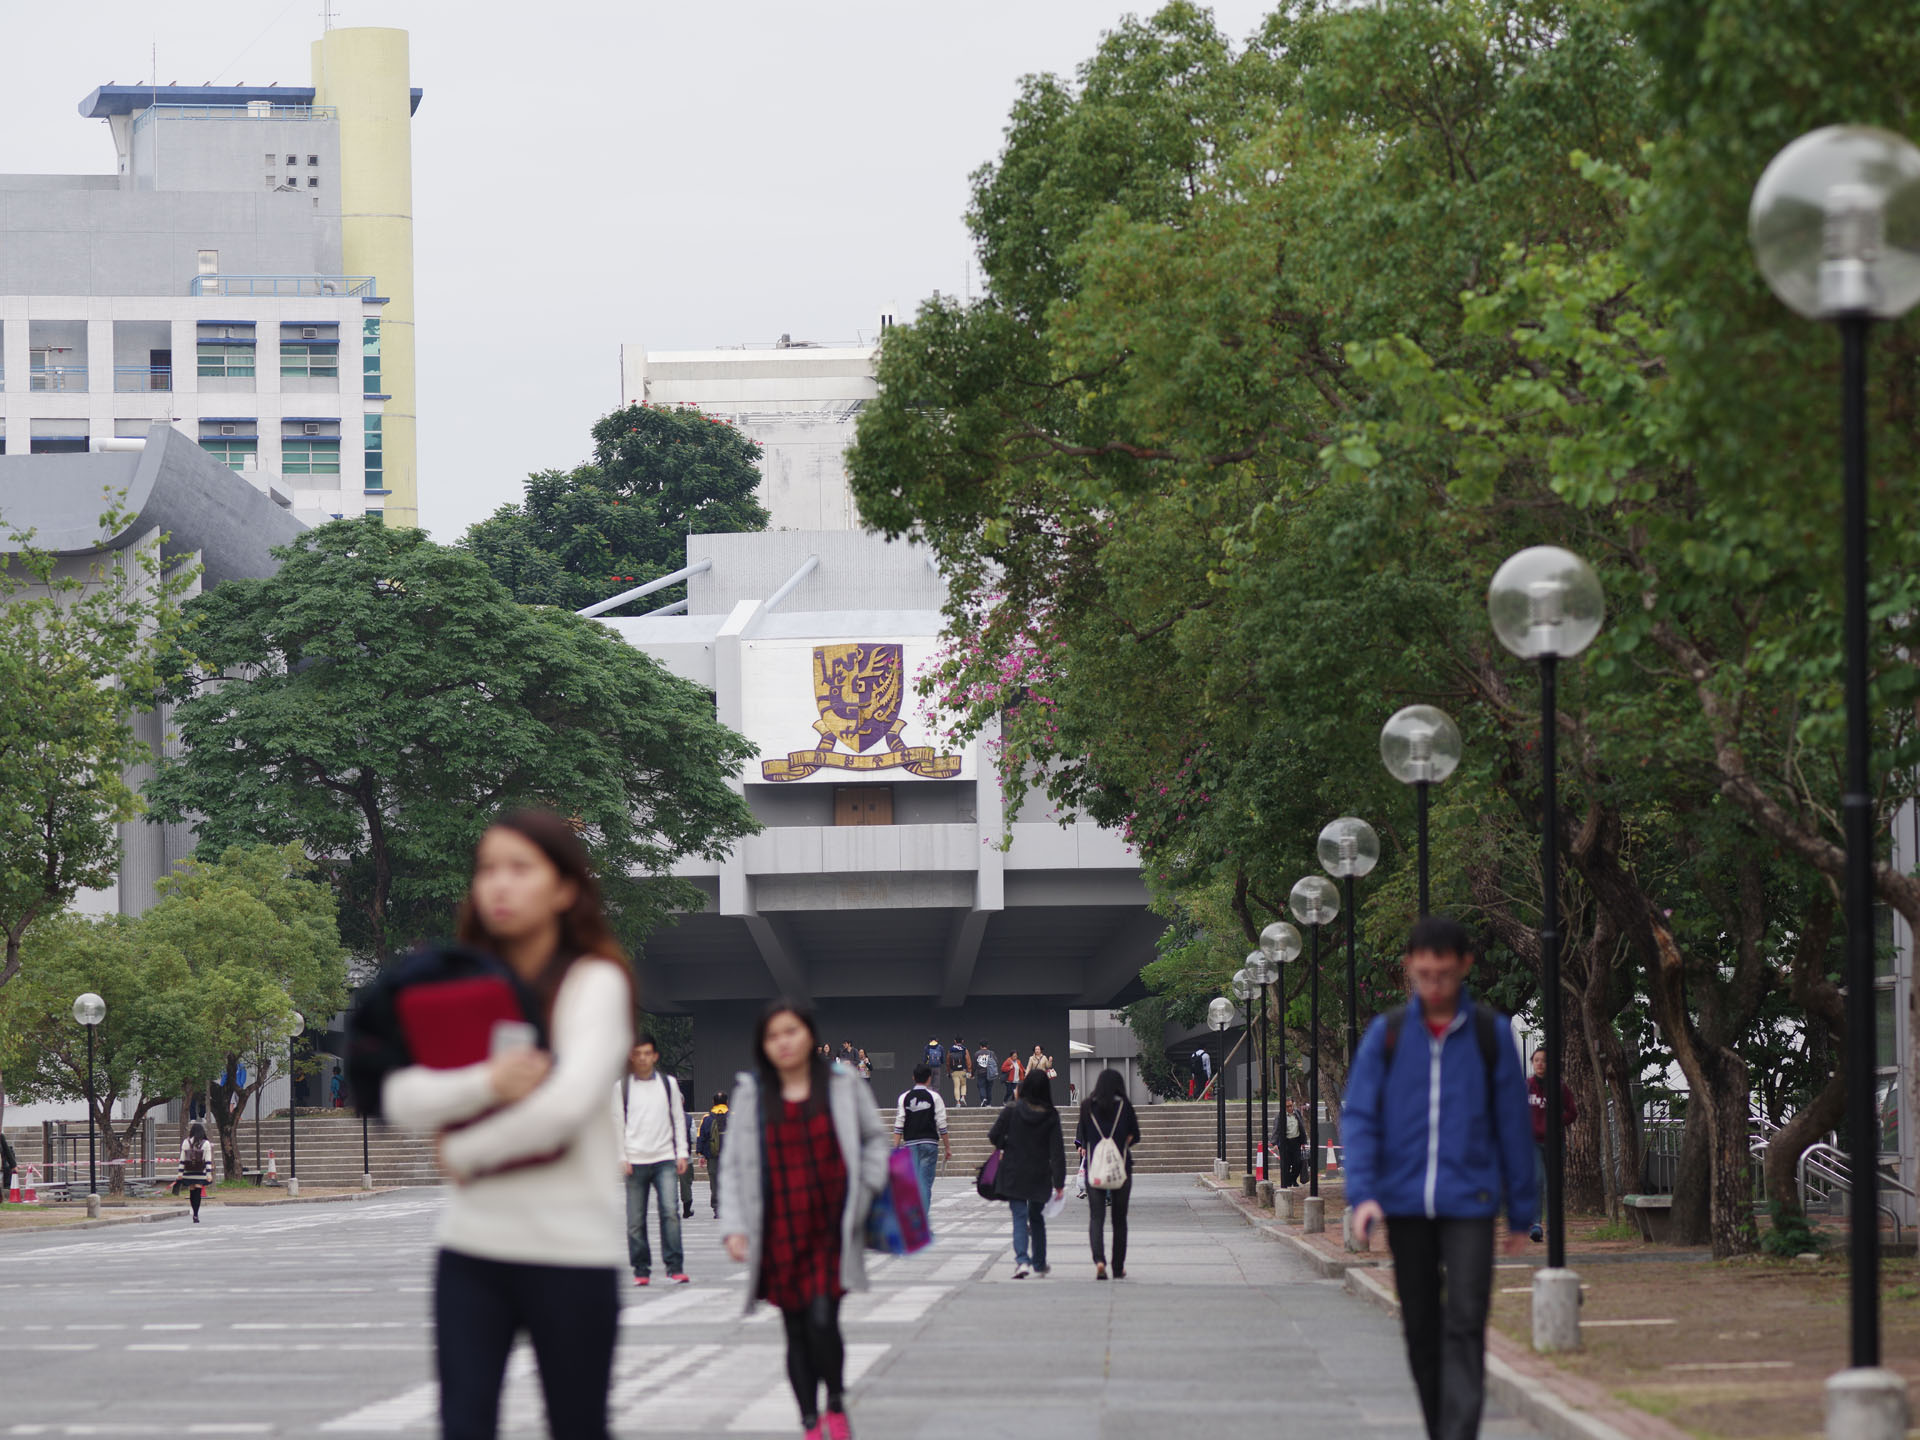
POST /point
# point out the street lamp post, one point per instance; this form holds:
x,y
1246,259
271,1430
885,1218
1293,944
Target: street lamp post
x,y
293,1108
1280,943
1314,902
90,1010
1263,971
1420,746
1243,990
1836,234
1545,604
1348,848
1219,1018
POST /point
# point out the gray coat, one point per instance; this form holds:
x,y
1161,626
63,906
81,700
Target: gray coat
x,y
864,1145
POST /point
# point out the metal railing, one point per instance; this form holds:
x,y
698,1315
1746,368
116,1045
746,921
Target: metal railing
x,y
142,377
322,287
1823,1171
57,377
256,111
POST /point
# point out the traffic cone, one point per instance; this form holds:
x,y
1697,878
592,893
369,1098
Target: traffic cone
x,y
273,1169
1260,1162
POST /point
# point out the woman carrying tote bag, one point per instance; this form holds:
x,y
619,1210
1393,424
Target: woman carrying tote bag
x,y
1033,1168
1107,1119
806,1154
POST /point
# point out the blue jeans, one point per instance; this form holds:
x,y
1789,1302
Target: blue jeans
x,y
646,1181
926,1159
1029,1226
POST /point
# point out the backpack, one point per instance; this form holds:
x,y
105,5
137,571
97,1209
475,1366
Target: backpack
x,y
1485,1031
198,1156
1107,1165
716,1134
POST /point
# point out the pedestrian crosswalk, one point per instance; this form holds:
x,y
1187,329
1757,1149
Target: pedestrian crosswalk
x,y
690,1359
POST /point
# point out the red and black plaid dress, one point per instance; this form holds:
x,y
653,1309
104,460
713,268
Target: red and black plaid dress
x,y
801,1257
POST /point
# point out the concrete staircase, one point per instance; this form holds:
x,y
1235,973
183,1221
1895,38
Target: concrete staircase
x,y
1174,1139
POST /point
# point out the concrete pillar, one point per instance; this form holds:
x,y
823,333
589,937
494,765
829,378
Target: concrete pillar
x,y
293,1187
1315,1219
1348,1240
1247,1183
1867,1404
1219,1169
1263,1192
1283,1204
1556,1311
366,1182
93,1207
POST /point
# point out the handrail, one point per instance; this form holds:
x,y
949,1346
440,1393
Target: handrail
x,y
699,567
1838,1174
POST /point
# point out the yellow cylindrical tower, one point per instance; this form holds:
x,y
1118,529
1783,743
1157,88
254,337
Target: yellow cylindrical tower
x,y
363,74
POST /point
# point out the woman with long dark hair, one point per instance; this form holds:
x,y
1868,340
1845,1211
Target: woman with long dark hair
x,y
534,1235
1107,1114
1033,1168
794,1206
196,1166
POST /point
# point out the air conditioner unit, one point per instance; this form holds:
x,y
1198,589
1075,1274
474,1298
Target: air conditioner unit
x,y
229,429
310,429
309,332
329,287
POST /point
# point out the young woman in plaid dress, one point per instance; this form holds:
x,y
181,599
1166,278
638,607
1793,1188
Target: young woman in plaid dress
x,y
794,1206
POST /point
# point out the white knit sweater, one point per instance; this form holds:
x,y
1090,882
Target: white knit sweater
x,y
567,1211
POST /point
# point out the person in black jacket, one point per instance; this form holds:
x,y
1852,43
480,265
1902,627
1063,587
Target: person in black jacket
x,y
1107,1114
1033,1168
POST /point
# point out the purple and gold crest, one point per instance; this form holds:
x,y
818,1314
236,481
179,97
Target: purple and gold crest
x,y
859,688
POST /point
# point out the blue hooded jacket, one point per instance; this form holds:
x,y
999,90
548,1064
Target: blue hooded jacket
x,y
1423,1139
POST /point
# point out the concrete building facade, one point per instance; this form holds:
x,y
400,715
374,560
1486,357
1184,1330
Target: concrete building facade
x,y
221,280
799,400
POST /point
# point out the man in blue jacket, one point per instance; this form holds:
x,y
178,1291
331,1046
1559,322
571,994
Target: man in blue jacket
x,y
1438,1142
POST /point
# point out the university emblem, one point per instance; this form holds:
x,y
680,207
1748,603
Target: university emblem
x,y
859,689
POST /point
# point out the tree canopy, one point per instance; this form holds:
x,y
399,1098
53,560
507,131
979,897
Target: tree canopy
x,y
658,474
1284,348
382,697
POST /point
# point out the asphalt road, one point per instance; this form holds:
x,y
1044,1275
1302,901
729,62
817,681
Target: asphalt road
x,y
311,1320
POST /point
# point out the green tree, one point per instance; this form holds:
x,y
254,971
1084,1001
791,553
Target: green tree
x,y
658,474
79,643
382,697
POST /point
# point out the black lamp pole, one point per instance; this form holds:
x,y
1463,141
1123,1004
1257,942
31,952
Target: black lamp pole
x,y
1550,950
1420,808
1280,990
1220,1110
1247,1040
1863,1159
93,1174
293,1114
1353,986
1313,1070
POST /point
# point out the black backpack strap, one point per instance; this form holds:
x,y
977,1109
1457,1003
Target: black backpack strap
x,y
1486,1029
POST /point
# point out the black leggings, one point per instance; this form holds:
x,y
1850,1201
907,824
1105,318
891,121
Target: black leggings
x,y
194,1192
1097,1203
572,1315
816,1355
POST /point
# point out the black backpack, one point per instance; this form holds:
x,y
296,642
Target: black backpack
x,y
377,1043
1486,1030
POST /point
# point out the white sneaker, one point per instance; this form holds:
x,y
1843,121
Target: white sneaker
x,y
1020,1272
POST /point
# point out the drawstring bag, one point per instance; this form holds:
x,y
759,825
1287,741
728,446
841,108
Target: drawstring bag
x,y
1107,1165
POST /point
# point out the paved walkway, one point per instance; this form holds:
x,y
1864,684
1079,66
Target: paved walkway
x,y
310,1321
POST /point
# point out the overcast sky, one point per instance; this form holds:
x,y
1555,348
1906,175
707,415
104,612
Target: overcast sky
x,y
588,172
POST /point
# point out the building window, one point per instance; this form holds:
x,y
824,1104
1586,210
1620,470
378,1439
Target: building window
x,y
313,182
293,159
311,359
234,454
370,356
58,444
209,262
379,517
376,459
310,457
225,362
313,159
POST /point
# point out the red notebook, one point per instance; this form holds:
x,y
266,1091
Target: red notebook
x,y
450,1024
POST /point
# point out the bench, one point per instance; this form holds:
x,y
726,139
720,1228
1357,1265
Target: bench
x,y
1653,1214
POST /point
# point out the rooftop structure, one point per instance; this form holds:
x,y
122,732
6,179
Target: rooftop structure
x,y
798,399
259,230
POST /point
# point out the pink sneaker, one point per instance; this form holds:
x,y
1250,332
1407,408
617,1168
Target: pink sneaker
x,y
838,1426
815,1431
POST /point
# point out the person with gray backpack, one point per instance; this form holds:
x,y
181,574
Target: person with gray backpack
x,y
1105,1138
987,1064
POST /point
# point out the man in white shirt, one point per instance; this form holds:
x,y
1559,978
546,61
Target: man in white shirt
x,y
920,1123
653,1125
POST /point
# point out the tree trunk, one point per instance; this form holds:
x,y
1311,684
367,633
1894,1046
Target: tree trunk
x,y
1693,1178
1791,1140
113,1146
1732,1227
1585,1141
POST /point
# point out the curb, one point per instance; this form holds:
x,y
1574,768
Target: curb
x,y
1527,1396
351,1195
1328,1266
102,1223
